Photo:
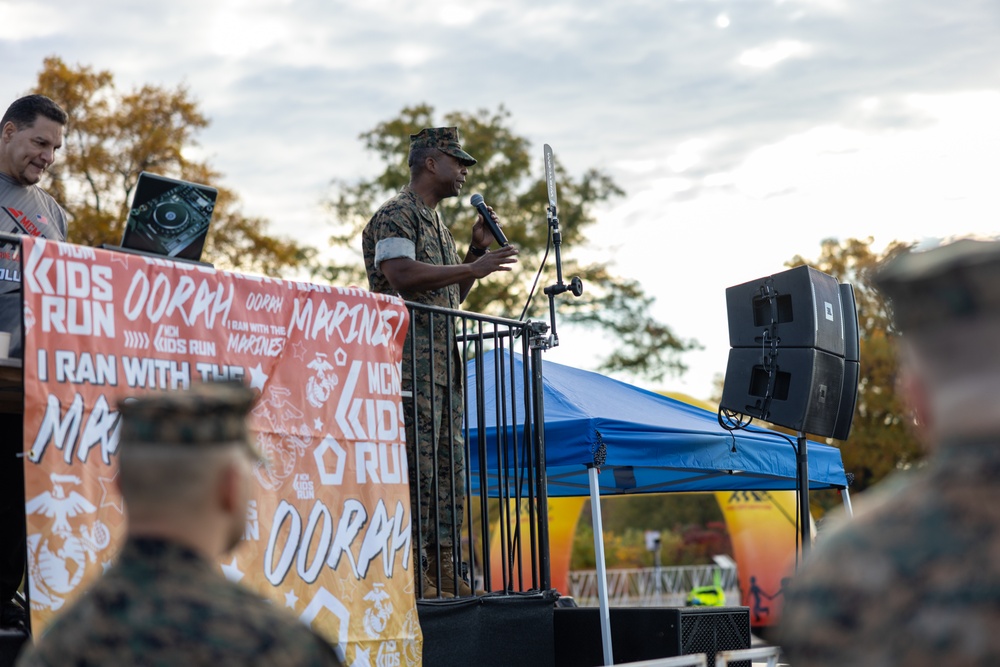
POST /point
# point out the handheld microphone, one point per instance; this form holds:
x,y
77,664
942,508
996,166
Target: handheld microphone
x,y
479,204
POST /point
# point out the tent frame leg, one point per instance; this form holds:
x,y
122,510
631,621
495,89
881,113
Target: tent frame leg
x,y
602,572
846,497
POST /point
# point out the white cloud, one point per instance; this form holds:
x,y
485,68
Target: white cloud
x,y
825,5
24,20
455,14
237,34
769,55
412,54
876,177
687,155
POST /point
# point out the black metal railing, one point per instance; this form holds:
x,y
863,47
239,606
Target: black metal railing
x,y
502,543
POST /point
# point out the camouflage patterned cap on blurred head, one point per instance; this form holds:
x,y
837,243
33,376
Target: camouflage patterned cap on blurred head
x,y
958,283
209,413
445,139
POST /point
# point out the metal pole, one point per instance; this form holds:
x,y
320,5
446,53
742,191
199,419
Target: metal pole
x,y
542,479
658,589
846,495
802,475
602,573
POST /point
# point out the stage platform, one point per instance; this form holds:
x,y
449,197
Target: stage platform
x,y
530,630
10,644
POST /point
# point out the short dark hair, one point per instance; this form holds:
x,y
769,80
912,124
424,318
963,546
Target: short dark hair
x,y
418,156
26,110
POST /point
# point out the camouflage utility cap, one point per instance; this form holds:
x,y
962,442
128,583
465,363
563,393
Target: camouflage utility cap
x,y
956,283
209,413
445,139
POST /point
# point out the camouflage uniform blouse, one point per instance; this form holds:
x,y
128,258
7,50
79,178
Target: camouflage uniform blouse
x,y
164,605
913,579
405,225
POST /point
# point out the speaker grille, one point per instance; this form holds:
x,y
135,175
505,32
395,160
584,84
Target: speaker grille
x,y
648,633
710,632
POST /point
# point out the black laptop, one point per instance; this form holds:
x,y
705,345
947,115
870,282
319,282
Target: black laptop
x,y
168,218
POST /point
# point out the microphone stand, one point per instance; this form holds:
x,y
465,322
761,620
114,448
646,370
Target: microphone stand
x,y
575,285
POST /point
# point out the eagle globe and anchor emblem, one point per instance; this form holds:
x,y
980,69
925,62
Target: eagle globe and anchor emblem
x,y
322,382
57,561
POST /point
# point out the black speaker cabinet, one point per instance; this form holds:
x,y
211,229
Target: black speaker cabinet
x,y
852,351
647,633
488,631
848,399
11,642
805,305
798,388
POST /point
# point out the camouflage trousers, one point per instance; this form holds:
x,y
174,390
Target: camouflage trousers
x,y
436,454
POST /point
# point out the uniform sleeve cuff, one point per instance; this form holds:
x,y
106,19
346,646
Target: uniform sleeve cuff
x,y
392,248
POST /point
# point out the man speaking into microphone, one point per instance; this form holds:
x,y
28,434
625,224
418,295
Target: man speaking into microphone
x,y
409,252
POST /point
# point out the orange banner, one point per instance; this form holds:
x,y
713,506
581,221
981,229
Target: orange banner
x,y
328,535
762,527
564,515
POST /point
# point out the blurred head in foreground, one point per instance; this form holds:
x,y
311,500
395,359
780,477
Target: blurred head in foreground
x,y
909,580
945,304
186,463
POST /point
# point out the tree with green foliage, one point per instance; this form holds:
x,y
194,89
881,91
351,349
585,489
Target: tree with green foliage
x,y
691,525
881,439
519,196
112,136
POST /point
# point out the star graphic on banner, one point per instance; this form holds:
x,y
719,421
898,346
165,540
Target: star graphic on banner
x,y
299,350
105,566
347,587
317,424
120,257
362,656
290,599
257,377
108,488
232,572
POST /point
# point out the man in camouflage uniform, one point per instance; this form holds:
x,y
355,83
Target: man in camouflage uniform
x,y
409,252
914,578
186,475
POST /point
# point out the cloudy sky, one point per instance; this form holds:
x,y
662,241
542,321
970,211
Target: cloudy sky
x,y
743,131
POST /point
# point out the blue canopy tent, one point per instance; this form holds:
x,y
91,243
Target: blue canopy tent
x,y
653,443
603,437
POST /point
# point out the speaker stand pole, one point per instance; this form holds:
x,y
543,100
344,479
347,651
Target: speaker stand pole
x,y
802,485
